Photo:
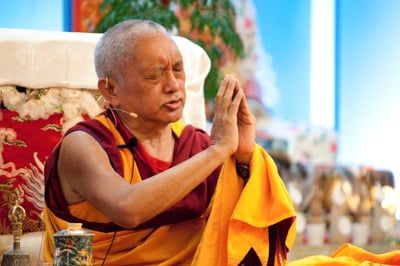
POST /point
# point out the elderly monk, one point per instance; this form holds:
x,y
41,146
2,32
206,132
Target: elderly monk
x,y
153,190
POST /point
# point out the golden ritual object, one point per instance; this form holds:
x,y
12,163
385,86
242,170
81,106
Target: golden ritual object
x,y
16,256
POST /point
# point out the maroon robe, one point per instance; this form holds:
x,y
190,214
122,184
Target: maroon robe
x,y
191,141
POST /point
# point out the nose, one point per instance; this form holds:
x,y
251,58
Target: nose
x,y
172,83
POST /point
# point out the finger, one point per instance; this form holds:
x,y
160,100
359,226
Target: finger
x,y
229,93
237,84
244,102
221,87
234,106
221,92
225,93
244,107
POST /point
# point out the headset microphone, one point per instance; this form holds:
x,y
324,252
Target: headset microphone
x,y
131,114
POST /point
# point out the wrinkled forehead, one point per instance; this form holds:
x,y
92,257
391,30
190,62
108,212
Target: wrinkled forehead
x,y
155,48
156,43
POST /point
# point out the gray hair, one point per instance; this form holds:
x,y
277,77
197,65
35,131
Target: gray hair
x,y
111,54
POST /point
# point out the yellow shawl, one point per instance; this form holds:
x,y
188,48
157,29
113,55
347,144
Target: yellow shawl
x,y
350,255
240,218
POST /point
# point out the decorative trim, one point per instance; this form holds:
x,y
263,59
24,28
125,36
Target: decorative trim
x,y
34,104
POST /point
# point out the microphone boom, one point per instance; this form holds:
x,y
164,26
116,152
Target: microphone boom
x,y
131,114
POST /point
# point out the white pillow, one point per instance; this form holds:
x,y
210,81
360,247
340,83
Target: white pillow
x,y
47,59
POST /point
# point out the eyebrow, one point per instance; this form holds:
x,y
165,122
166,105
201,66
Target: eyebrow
x,y
162,68
178,63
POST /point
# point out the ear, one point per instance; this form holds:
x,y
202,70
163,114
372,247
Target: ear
x,y
106,87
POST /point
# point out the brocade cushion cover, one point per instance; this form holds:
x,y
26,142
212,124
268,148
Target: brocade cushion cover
x,y
25,145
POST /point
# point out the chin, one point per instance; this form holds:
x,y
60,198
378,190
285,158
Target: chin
x,y
175,117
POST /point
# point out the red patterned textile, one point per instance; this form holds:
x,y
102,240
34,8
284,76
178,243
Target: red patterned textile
x,y
24,147
86,14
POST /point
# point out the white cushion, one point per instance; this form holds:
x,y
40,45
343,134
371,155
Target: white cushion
x,y
45,59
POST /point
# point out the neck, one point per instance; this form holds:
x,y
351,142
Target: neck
x,y
157,139
161,146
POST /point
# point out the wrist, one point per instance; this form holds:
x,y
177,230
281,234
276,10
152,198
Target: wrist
x,y
217,153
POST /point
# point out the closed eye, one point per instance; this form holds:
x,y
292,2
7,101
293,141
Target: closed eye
x,y
178,66
154,75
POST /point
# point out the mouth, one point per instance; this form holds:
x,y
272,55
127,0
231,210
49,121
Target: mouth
x,y
174,105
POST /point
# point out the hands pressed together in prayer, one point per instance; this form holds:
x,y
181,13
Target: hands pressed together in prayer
x,y
234,126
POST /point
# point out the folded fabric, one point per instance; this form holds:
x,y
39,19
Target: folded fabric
x,y
241,219
350,255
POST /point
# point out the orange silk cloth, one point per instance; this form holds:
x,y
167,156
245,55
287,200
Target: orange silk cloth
x,y
238,220
240,217
350,255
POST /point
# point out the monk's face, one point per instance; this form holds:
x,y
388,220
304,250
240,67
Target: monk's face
x,y
154,84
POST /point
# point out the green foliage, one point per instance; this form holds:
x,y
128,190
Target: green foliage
x,y
116,11
213,18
